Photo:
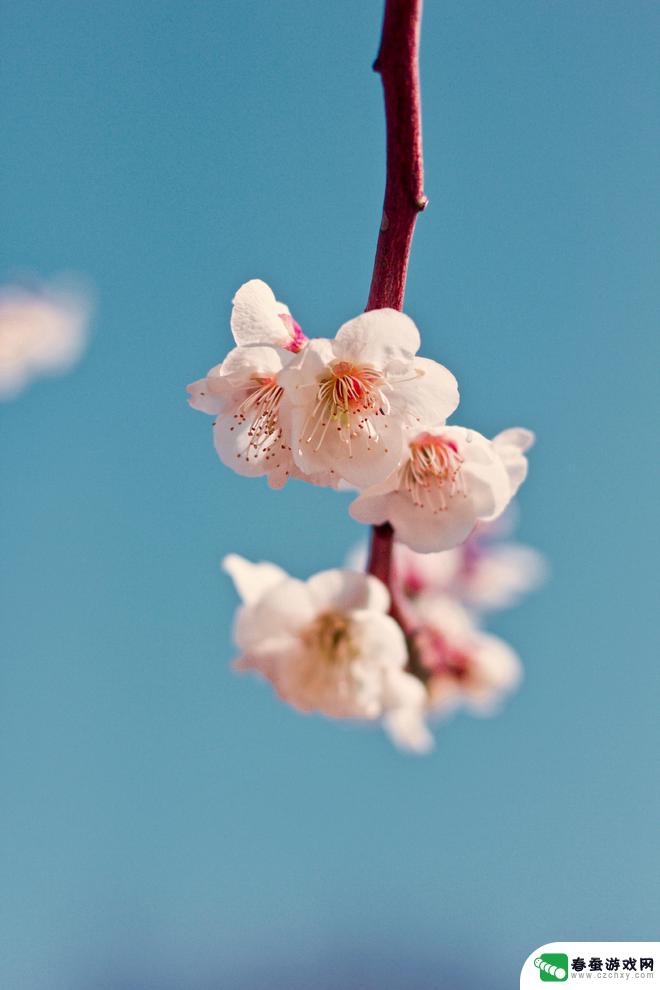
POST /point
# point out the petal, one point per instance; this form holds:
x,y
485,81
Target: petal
x,y
234,443
408,730
346,590
243,362
501,575
282,610
255,316
373,510
421,530
511,446
203,399
301,374
430,398
381,639
252,580
380,337
365,462
516,436
487,481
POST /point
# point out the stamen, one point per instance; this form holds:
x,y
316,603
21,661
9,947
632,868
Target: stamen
x,y
329,638
432,474
260,408
348,397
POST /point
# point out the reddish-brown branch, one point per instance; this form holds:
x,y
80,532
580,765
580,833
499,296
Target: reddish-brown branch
x,y
398,65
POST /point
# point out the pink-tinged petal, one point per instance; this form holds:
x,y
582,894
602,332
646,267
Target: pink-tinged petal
x,y
202,398
257,317
297,338
381,337
252,581
346,590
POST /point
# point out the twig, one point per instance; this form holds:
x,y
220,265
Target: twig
x,y
398,65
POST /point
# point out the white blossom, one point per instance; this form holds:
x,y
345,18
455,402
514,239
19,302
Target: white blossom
x,y
353,397
327,645
42,331
450,479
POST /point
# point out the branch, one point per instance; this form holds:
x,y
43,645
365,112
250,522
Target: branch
x,y
398,65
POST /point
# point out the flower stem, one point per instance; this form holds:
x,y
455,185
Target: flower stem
x,y
398,65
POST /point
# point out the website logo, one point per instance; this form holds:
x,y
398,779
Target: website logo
x,y
552,967
633,964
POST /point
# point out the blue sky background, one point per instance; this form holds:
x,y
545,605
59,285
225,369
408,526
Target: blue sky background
x,y
166,824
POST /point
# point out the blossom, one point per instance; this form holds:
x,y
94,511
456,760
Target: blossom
x,y
450,479
42,331
353,397
481,573
251,429
326,644
258,318
461,664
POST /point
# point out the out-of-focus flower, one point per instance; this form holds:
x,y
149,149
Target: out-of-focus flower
x,y
353,397
481,573
450,479
42,331
258,318
461,664
327,645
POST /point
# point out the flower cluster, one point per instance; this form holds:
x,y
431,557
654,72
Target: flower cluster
x,y
360,411
363,410
42,330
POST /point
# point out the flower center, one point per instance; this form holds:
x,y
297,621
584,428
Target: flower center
x,y
261,408
348,396
298,338
432,474
329,638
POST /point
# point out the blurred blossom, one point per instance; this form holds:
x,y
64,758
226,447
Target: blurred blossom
x,y
461,664
327,645
483,573
43,330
